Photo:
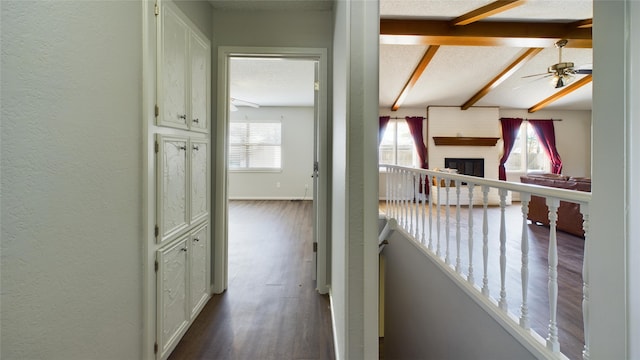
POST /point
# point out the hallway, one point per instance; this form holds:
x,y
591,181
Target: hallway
x,y
271,309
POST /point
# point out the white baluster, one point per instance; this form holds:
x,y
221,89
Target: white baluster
x,y
584,209
447,229
404,199
416,202
458,262
392,186
552,339
503,251
429,178
485,240
423,181
470,187
524,272
387,193
438,219
411,200
392,179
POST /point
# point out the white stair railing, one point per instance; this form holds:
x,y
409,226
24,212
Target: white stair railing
x,y
415,196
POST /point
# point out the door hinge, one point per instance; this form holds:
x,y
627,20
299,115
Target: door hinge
x,y
156,9
156,110
156,147
157,231
315,247
155,266
316,86
155,348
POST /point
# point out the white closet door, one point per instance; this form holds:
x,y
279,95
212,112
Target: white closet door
x,y
200,83
173,303
199,180
174,66
199,263
172,186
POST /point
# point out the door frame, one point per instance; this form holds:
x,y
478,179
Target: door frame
x,y
220,194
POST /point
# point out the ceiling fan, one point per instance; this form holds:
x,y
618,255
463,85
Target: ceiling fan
x,y
562,73
234,103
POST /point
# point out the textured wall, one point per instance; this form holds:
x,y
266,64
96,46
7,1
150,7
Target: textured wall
x,y
71,188
573,138
297,157
427,316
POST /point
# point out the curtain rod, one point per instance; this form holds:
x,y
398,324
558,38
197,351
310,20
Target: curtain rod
x,y
404,117
542,119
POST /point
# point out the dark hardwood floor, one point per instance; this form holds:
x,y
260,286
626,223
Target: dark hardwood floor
x,y
570,255
271,309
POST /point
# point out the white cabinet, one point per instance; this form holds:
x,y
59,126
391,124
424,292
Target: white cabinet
x,y
199,195
182,184
182,284
200,79
172,297
182,249
199,256
184,72
172,186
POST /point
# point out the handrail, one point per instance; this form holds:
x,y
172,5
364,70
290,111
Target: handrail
x,y
562,194
421,202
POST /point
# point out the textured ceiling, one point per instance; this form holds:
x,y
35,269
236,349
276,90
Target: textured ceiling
x,y
272,82
455,73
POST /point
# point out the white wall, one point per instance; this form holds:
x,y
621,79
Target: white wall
x,y
71,180
297,157
339,254
614,173
474,122
431,317
354,288
573,138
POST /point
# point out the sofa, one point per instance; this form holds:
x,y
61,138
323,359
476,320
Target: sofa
x,y
569,216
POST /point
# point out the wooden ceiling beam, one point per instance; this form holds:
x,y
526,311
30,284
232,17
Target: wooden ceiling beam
x,y
493,8
482,33
422,65
562,93
583,24
504,74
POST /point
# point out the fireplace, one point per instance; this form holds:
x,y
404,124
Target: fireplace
x,y
466,166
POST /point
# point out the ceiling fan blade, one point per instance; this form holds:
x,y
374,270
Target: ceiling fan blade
x,y
238,102
583,71
529,82
528,76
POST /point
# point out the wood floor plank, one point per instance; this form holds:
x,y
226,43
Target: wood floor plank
x,y
271,309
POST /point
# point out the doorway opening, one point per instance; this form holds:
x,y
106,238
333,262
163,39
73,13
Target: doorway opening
x,y
271,145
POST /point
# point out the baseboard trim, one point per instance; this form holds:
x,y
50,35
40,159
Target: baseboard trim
x,y
336,349
258,198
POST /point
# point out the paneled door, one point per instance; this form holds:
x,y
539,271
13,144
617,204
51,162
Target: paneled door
x,y
200,80
174,66
173,303
199,267
199,180
172,186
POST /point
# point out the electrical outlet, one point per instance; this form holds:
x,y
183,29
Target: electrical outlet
x,y
278,184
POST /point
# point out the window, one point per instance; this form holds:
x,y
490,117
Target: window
x,y
255,146
527,150
397,147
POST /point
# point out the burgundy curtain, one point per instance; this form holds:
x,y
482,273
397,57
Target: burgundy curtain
x,y
510,128
547,136
382,126
415,127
